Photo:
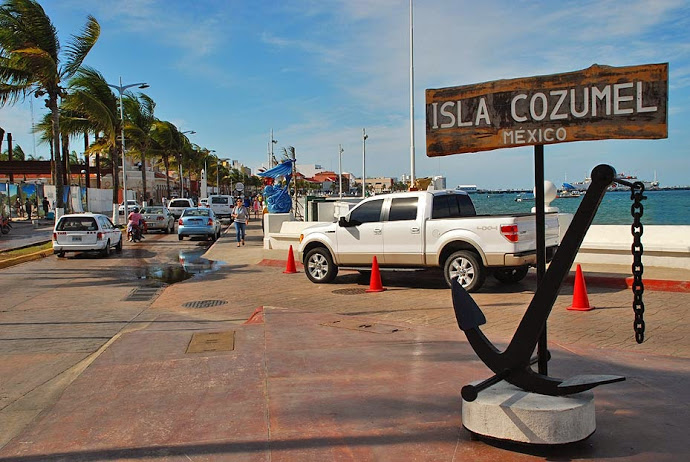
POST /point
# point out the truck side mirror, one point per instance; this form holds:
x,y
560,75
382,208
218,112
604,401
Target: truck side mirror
x,y
342,221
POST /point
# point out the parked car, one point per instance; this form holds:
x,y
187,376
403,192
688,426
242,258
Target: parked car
x,y
177,206
86,232
427,229
203,202
130,205
159,218
198,222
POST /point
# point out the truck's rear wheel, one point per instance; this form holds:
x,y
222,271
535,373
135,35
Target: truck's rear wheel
x,y
319,266
511,275
467,267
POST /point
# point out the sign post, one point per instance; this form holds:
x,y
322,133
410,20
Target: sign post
x,y
600,102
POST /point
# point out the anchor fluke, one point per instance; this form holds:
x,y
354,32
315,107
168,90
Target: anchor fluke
x,y
467,313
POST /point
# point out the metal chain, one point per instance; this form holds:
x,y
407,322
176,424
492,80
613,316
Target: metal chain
x,y
636,194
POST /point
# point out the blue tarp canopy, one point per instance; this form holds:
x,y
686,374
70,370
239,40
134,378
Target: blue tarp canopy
x,y
283,169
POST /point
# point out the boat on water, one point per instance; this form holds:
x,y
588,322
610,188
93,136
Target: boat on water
x,y
524,197
569,194
584,184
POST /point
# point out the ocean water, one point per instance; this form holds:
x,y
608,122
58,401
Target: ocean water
x,y
660,207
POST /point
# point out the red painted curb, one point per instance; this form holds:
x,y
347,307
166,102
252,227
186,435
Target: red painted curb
x,y
614,282
257,316
278,263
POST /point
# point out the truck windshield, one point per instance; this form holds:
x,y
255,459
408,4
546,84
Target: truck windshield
x,y
453,206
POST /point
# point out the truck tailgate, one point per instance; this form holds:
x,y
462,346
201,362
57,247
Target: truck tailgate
x,y
527,231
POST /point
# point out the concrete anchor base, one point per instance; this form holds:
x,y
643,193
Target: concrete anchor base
x,y
506,412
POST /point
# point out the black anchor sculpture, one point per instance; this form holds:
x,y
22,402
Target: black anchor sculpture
x,y
513,364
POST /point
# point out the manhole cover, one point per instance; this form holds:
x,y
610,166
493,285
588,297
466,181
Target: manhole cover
x,y
204,303
202,342
142,294
353,291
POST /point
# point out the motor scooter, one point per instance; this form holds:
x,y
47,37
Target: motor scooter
x,y
5,224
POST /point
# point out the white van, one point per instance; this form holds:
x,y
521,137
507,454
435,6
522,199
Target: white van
x,y
221,205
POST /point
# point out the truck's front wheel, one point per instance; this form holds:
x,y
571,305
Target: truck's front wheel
x,y
467,267
319,266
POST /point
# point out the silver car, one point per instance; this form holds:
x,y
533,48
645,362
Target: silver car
x,y
198,222
159,218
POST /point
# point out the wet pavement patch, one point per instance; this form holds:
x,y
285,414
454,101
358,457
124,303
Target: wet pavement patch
x,y
204,303
203,342
190,264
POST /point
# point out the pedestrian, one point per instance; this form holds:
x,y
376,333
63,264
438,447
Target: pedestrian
x,y
263,216
18,207
255,207
35,206
46,206
27,207
241,216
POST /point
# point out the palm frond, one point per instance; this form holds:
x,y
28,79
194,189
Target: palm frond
x,y
80,46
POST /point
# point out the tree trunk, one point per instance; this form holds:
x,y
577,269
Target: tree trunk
x,y
65,156
115,158
143,173
166,163
59,183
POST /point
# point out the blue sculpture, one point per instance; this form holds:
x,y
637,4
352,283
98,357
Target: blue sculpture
x,y
278,198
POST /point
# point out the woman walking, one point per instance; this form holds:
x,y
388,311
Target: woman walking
x,y
241,216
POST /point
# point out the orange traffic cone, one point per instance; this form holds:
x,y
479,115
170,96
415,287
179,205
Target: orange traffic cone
x,y
375,281
580,300
290,267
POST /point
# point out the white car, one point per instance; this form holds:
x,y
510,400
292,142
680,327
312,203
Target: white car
x,y
177,206
86,232
130,205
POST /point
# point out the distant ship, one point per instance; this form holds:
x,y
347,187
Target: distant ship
x,y
584,184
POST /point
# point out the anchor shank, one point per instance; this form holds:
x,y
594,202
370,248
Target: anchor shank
x,y
527,335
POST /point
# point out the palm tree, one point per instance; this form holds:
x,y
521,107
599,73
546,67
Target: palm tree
x,y
138,129
30,62
167,142
17,154
92,106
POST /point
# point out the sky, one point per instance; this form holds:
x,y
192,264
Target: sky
x,y
317,72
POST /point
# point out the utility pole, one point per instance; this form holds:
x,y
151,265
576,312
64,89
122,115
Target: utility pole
x,y
340,167
364,155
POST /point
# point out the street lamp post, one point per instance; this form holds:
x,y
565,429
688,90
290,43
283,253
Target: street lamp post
x,y
364,155
206,170
121,89
340,167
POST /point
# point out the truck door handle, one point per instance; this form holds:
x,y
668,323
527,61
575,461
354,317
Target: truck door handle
x,y
377,230
415,230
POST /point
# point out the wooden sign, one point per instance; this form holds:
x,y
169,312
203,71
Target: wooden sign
x,y
597,103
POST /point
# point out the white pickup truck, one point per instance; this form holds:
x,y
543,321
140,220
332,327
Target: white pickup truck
x,y
426,229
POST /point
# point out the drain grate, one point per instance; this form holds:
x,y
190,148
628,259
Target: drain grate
x,y
143,294
204,303
203,342
353,291
355,324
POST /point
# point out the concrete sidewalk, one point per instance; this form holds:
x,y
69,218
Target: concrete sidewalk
x,y
23,234
329,372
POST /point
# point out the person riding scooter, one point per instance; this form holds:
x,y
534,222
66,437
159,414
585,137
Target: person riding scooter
x,y
134,226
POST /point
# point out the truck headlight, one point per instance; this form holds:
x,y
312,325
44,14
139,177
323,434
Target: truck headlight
x,y
301,238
